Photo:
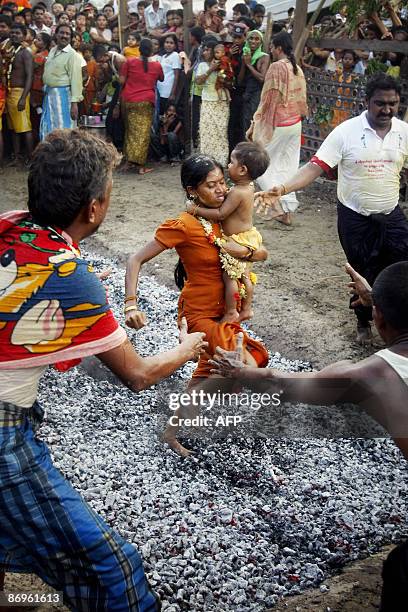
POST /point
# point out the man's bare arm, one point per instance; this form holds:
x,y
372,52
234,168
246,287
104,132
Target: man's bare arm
x,y
138,372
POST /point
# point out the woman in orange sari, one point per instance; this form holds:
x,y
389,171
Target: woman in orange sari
x,y
198,275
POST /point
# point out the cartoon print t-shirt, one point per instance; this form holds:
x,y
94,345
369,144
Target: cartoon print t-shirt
x,y
53,308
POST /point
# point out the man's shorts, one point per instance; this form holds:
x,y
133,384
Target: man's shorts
x,y
19,121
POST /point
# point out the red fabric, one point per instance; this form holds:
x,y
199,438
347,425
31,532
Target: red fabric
x,y
140,86
52,306
22,4
331,172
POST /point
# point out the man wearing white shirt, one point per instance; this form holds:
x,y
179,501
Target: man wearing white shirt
x,y
155,15
370,151
38,21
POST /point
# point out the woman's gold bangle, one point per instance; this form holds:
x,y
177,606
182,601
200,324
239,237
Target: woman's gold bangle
x,y
129,309
131,297
284,189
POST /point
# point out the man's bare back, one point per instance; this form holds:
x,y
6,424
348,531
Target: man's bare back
x,y
18,72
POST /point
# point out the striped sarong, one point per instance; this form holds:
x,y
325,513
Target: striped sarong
x,y
46,527
56,110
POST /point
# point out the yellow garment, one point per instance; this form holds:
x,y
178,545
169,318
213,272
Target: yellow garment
x,y
131,52
19,121
394,71
251,239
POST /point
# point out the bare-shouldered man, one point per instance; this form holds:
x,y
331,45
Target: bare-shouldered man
x,y
379,384
20,77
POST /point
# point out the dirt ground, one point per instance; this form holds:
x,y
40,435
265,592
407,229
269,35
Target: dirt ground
x,y
301,310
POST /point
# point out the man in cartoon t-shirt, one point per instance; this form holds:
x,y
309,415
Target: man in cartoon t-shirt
x,y
54,310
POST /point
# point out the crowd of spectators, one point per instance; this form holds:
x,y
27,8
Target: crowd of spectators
x,y
134,79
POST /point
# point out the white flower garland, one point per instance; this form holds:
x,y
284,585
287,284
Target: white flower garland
x,y
235,268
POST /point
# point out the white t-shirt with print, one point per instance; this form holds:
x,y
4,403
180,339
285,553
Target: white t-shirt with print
x,y
368,166
169,63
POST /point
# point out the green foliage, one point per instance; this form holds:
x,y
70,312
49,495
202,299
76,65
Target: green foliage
x,y
355,9
374,66
323,114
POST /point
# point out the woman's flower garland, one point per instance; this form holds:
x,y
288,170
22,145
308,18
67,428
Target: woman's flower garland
x,y
235,268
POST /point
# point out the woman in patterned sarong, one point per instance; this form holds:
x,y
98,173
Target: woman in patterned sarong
x,y
277,124
214,113
199,276
138,77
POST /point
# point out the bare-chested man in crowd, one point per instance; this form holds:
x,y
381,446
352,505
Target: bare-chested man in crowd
x,y
19,80
379,384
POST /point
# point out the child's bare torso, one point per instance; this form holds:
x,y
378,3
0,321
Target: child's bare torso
x,y
240,220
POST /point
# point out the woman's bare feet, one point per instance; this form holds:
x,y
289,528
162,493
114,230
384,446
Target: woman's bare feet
x,y
285,219
245,314
231,317
143,170
169,439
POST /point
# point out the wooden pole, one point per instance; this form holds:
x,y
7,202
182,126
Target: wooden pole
x,y
187,20
268,33
299,23
304,35
122,22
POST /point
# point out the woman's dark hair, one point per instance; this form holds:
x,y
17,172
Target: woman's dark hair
x,y
284,41
46,38
209,3
194,171
68,170
173,38
241,8
195,168
145,49
198,32
384,82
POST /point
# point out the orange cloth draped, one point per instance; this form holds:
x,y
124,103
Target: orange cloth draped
x,y
283,100
202,298
90,87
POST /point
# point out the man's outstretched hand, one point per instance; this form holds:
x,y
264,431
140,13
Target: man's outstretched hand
x,y
359,286
268,204
228,364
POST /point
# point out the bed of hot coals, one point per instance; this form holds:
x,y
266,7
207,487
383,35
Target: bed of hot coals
x,y
248,519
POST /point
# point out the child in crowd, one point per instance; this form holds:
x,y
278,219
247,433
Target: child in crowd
x,y
171,65
134,23
141,5
101,34
248,161
225,73
166,145
179,28
132,48
56,10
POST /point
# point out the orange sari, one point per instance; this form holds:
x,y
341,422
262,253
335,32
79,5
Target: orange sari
x,y
90,86
202,298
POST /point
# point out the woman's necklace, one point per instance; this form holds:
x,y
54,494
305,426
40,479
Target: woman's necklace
x,y
235,268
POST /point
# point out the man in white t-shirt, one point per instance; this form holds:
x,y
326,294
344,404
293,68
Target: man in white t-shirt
x,y
155,15
38,21
369,151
